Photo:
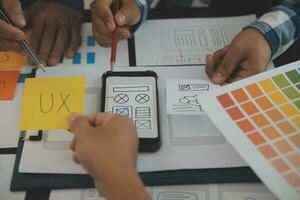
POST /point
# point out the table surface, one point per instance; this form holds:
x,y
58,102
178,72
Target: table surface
x,y
292,54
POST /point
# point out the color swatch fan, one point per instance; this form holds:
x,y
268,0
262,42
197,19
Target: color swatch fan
x,y
260,117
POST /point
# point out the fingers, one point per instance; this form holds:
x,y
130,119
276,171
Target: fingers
x,y
59,46
248,68
75,37
14,11
101,9
212,61
8,45
223,71
210,65
78,124
99,119
73,144
129,14
47,41
10,32
37,33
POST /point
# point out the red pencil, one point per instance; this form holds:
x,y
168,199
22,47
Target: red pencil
x,y
115,39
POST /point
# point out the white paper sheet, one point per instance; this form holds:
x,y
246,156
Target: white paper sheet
x,y
9,120
183,95
91,54
185,41
171,156
6,169
241,191
267,140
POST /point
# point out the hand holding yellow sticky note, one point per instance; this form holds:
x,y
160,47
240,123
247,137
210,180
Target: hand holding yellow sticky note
x,y
47,102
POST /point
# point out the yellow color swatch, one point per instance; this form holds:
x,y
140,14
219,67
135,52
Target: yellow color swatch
x,y
11,61
267,85
47,102
289,110
278,98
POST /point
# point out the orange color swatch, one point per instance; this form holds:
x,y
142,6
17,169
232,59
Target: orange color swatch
x,y
235,113
256,138
280,165
8,83
268,151
11,61
249,108
260,120
225,100
254,90
286,127
274,115
245,126
264,103
240,95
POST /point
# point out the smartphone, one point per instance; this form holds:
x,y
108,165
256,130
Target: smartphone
x,y
134,94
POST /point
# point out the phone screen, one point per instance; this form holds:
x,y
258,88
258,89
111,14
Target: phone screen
x,y
136,98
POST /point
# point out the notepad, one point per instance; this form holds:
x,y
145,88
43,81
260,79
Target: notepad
x,y
183,95
47,102
8,83
260,117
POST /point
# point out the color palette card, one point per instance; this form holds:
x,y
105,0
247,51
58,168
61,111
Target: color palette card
x,y
47,102
8,84
260,117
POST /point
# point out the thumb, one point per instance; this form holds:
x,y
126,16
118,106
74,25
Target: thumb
x,y
14,11
78,124
129,14
225,69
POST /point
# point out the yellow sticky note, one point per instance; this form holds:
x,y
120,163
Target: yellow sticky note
x,y
11,61
47,102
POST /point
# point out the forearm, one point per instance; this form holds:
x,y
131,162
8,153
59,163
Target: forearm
x,y
281,26
125,186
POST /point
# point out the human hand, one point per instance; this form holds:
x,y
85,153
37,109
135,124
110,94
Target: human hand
x,y
249,53
55,30
11,34
106,145
104,142
104,22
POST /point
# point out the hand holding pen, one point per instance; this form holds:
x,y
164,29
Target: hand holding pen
x,y
19,38
11,35
104,20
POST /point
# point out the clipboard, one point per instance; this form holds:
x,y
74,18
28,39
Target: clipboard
x,y
28,181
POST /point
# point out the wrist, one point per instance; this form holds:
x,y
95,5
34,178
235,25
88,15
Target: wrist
x,y
126,182
270,36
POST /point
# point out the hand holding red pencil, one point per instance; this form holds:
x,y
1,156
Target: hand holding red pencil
x,y
115,38
105,21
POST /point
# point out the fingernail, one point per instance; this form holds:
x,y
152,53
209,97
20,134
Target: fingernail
x,y
70,54
73,116
217,77
20,35
53,61
125,36
121,19
21,20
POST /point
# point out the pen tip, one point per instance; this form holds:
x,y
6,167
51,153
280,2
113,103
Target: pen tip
x,y
112,65
42,67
